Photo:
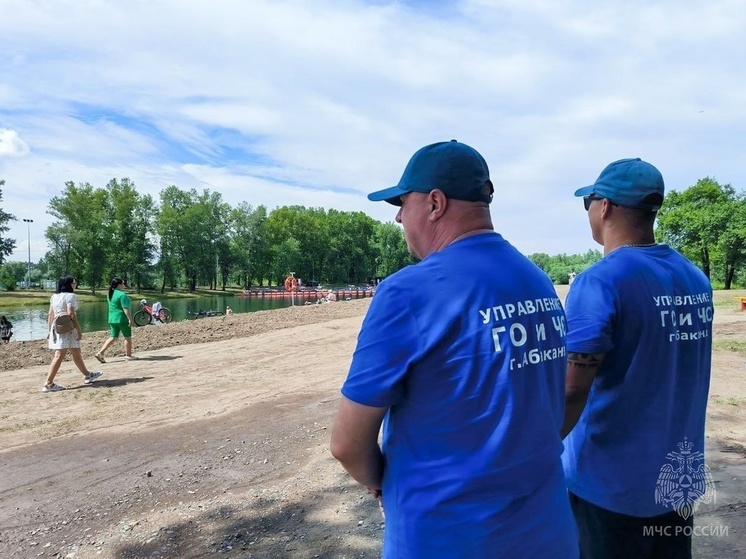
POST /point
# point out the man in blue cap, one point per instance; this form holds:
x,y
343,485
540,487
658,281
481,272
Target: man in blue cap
x,y
639,347
462,358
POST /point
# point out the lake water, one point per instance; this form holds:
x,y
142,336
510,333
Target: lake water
x,y
31,324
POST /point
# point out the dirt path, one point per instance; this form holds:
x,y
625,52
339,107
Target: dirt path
x,y
221,448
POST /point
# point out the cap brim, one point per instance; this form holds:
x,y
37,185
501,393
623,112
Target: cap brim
x,y
585,191
390,195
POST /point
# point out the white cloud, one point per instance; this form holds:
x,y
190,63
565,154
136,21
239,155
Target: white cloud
x,y
11,144
329,99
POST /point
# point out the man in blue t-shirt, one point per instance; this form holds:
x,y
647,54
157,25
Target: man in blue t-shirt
x,y
639,348
462,358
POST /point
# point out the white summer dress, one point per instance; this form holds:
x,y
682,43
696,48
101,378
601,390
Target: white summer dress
x,y
60,302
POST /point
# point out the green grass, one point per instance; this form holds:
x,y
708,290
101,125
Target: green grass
x,y
100,394
729,298
16,299
733,401
25,425
736,346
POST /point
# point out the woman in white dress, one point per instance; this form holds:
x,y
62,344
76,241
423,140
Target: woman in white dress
x,y
64,301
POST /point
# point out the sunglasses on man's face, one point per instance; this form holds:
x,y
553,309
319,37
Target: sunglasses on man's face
x,y
588,199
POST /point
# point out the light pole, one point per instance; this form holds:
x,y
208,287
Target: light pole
x,y
28,277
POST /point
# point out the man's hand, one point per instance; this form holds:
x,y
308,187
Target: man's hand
x,y
355,442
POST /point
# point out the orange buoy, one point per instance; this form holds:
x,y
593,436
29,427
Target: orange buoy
x,y
291,284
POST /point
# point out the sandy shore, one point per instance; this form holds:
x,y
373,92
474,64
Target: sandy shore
x,y
215,443
20,355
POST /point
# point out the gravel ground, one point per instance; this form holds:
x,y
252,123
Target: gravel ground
x,y
216,444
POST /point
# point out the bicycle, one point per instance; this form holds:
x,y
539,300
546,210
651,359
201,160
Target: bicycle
x,y
145,315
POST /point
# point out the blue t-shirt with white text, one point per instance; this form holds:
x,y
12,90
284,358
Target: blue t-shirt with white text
x,y
649,310
467,351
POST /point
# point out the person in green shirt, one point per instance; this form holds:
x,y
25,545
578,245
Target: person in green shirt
x,y
120,320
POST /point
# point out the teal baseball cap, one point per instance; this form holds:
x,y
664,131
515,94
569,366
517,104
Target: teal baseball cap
x,y
452,167
632,183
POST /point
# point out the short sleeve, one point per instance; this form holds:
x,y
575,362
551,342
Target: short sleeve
x,y
72,300
590,310
387,346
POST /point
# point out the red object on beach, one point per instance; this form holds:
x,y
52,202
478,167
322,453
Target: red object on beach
x,y
291,284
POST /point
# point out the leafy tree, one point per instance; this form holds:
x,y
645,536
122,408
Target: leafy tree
x,y
83,231
218,219
559,266
260,247
174,232
334,246
7,246
313,233
306,227
351,255
731,253
285,255
41,270
131,220
542,260
691,221
59,258
391,249
12,273
250,246
191,228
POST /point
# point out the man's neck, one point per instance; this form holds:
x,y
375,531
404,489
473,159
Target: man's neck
x,y
629,241
463,219
471,233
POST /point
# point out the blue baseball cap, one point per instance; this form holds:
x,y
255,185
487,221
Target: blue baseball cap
x,y
632,183
455,168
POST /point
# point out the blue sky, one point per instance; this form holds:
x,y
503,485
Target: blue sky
x,y
319,102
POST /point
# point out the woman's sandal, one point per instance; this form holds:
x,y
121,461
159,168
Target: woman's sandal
x,y
54,387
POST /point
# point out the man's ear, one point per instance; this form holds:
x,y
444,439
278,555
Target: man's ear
x,y
606,208
438,204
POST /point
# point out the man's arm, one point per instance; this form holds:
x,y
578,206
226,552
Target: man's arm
x,y
355,443
581,370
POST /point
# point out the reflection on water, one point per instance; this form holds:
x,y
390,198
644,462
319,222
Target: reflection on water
x,y
31,324
28,324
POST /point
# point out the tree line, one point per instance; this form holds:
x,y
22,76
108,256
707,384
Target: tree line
x,y
706,223
560,266
190,238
